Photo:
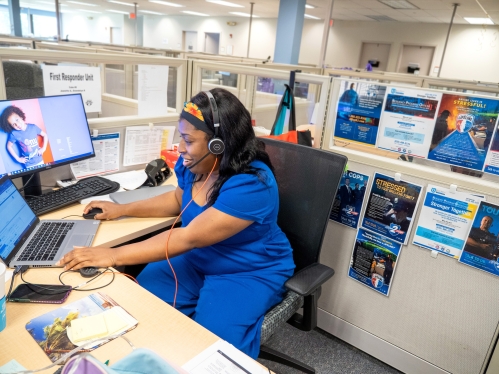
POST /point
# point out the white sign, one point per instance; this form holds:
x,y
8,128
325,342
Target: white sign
x,y
64,80
153,88
408,120
144,144
106,160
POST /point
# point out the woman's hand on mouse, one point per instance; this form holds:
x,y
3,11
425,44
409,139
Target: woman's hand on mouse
x,y
81,257
109,210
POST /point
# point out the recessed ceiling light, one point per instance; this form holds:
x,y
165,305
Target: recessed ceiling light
x,y
226,3
308,6
195,13
243,14
311,17
121,2
166,3
151,12
479,21
398,4
117,11
80,3
88,11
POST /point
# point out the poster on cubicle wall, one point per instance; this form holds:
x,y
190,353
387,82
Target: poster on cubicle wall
x,y
349,198
391,207
481,249
445,220
463,130
358,111
407,121
492,157
65,80
373,260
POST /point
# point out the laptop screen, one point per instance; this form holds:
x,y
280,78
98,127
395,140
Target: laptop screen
x,y
16,215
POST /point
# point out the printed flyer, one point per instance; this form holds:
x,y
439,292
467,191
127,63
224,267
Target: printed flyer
x,y
445,220
373,260
358,112
349,198
481,249
391,207
463,130
492,158
408,120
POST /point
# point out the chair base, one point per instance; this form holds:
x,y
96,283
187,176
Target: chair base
x,y
270,354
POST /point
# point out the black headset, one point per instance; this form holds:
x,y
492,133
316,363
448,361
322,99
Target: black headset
x,y
216,145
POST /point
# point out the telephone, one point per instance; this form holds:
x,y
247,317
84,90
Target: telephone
x,y
157,172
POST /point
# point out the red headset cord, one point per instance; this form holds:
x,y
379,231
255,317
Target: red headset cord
x,y
170,233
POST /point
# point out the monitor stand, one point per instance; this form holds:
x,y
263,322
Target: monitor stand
x,y
34,186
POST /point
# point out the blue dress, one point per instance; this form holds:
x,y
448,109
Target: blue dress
x,y
229,286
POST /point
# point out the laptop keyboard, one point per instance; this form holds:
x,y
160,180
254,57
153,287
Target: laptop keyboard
x,y
44,245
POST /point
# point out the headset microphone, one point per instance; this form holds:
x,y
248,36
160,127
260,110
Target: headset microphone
x,y
198,161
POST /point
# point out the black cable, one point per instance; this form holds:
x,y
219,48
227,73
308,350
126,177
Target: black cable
x,y
25,184
41,286
17,269
72,215
91,289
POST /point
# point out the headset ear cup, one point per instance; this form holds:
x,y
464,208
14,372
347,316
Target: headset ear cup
x,y
216,146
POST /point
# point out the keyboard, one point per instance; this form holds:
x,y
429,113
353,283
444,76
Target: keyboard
x,y
62,197
44,245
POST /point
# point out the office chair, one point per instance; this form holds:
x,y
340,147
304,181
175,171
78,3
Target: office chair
x,y
23,80
308,179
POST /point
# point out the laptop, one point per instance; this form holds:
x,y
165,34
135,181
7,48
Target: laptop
x,y
25,240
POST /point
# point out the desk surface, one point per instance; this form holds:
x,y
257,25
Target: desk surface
x,y
161,328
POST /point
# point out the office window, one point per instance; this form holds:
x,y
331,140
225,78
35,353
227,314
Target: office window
x,y
4,21
44,26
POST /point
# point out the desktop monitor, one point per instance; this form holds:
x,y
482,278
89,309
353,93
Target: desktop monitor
x,y
43,133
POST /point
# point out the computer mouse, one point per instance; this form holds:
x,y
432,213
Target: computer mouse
x,y
92,212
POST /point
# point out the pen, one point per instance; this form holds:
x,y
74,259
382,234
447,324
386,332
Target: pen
x,y
234,362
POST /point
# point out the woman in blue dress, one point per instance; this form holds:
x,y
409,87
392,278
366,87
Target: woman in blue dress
x,y
230,257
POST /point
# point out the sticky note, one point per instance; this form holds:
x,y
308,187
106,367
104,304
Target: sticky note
x,y
114,322
88,328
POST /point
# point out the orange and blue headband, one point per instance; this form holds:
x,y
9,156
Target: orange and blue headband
x,y
191,113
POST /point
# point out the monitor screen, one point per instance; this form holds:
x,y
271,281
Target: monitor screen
x,y
42,133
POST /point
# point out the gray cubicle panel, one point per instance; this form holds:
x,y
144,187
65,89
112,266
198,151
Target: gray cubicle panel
x,y
441,316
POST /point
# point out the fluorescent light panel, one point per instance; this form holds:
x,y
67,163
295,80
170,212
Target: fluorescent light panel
x,y
243,14
195,13
80,3
88,11
166,3
399,4
121,3
226,3
151,12
308,6
117,11
479,21
311,17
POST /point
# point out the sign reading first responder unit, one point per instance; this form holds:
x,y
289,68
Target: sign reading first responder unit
x,y
64,80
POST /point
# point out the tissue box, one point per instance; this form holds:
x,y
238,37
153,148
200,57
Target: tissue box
x,y
170,156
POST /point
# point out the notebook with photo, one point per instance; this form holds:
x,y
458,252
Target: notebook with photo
x,y
25,240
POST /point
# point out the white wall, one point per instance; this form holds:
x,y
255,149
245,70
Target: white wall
x,y
89,26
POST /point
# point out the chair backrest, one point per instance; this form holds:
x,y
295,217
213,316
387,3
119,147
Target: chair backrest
x,y
308,179
23,80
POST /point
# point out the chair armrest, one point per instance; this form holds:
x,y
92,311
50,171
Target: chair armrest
x,y
307,280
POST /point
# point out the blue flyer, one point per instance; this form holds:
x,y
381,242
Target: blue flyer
x,y
373,260
358,112
349,198
481,249
445,220
463,130
391,207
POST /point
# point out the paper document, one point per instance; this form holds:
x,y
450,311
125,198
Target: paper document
x,y
106,160
153,89
129,180
144,144
223,358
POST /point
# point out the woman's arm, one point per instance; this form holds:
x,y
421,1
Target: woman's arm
x,y
210,227
165,205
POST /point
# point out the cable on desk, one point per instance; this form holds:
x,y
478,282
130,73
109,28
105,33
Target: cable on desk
x,y
71,215
76,288
17,269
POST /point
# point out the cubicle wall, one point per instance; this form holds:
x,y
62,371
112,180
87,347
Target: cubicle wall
x,y
440,317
